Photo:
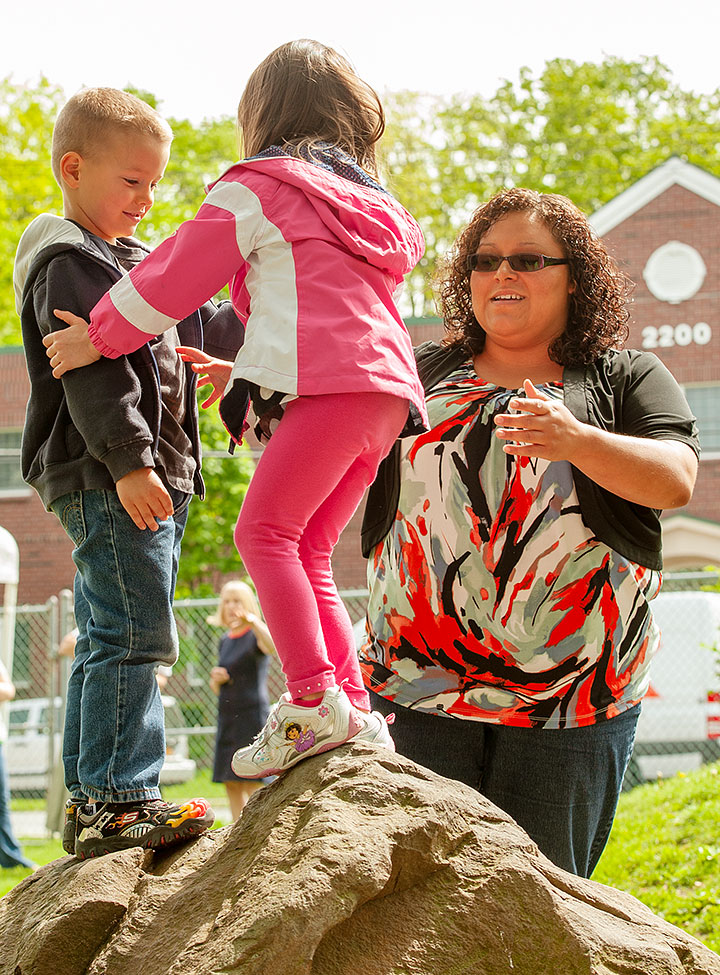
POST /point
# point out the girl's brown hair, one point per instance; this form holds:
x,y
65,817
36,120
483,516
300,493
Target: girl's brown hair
x,y
304,93
597,314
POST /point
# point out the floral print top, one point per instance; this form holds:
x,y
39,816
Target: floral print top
x,y
490,599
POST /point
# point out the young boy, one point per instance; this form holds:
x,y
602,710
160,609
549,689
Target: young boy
x,y
113,450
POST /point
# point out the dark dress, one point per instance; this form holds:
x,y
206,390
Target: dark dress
x,y
243,704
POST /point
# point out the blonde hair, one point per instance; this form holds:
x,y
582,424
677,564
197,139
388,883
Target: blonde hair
x,y
304,93
91,116
247,598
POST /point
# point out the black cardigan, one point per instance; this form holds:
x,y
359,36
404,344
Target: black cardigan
x,y
628,392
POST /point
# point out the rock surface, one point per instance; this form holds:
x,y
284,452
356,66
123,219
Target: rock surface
x,y
356,862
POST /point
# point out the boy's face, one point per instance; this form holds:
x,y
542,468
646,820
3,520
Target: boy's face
x,y
110,191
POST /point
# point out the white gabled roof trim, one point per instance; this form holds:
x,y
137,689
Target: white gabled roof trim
x,y
675,171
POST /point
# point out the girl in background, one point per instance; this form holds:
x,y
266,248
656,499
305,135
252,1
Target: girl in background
x,y
240,682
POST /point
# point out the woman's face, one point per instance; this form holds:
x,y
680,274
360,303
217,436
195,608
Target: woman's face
x,y
520,309
232,605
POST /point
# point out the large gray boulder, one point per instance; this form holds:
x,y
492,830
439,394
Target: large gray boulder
x,y
356,862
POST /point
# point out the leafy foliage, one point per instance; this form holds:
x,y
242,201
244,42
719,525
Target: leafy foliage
x,y
26,123
209,552
587,131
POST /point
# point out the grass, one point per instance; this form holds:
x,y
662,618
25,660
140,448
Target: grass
x,y
43,851
665,850
200,785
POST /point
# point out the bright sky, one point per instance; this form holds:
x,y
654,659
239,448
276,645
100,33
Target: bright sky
x,y
197,58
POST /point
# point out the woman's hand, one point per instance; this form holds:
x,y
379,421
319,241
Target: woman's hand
x,y
654,473
218,677
544,428
215,372
70,348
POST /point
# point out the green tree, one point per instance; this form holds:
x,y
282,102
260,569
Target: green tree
x,y
209,551
587,131
26,122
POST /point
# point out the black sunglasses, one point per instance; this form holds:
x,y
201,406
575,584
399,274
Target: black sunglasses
x,y
486,263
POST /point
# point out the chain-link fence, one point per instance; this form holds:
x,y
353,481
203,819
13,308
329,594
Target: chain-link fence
x,y
679,727
35,717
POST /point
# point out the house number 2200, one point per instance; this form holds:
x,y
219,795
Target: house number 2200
x,y
666,336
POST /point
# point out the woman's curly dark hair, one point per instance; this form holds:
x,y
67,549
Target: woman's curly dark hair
x,y
598,314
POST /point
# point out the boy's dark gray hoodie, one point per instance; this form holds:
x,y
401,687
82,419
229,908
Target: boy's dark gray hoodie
x,y
98,423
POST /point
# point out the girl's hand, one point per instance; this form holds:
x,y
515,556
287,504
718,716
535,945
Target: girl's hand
x,y
240,622
218,677
215,372
70,348
544,428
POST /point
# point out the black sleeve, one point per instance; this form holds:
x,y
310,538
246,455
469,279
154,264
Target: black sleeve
x,y
103,399
223,331
653,404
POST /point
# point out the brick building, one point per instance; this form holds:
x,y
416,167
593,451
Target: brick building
x,y
664,230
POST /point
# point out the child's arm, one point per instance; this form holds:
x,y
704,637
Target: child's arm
x,y
183,272
218,677
259,628
145,498
104,402
214,372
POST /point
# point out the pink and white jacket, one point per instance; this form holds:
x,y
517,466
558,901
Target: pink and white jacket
x,y
313,260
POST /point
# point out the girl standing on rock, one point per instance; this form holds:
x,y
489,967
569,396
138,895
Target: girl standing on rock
x,y
315,251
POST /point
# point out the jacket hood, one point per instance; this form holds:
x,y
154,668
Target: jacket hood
x,y
368,222
45,231
47,236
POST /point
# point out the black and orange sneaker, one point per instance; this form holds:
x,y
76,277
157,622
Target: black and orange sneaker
x,y
70,826
106,827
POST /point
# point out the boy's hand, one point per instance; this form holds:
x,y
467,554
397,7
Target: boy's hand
x,y
71,347
143,495
213,371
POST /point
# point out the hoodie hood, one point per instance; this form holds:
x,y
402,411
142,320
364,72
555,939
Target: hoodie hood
x,y
46,230
365,220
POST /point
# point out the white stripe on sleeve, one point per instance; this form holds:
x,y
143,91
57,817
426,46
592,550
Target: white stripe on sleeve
x,y
132,306
268,356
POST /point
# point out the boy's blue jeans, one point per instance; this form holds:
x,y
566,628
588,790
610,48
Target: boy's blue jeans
x,y
561,786
114,740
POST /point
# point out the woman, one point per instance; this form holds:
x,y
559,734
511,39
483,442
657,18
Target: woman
x,y
514,547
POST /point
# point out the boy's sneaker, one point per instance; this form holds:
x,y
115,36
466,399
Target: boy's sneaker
x,y
106,827
70,827
293,732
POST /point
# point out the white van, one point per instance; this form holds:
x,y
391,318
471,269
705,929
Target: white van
x,y
679,725
29,753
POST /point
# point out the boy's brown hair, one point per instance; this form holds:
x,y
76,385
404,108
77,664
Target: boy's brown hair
x,y
89,118
304,93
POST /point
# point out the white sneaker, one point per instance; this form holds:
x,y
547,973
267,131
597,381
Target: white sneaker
x,y
292,733
375,729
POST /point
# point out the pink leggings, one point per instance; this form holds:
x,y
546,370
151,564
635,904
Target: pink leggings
x,y
308,483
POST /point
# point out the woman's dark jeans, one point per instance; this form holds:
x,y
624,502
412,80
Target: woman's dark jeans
x,y
561,786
